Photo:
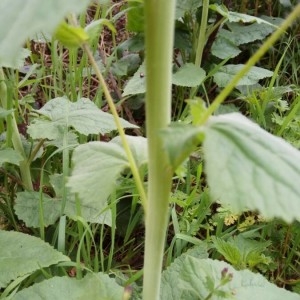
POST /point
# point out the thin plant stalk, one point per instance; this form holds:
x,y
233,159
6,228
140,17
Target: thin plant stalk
x,y
15,136
251,62
201,41
202,33
159,31
133,166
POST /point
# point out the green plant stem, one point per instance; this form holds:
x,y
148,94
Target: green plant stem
x,y
35,151
201,41
133,166
159,31
202,33
251,62
16,138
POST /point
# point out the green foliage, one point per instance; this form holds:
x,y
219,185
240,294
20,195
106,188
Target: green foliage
x,y
36,16
188,75
83,115
92,286
22,254
70,36
249,168
194,278
135,16
242,253
99,164
225,74
245,167
9,155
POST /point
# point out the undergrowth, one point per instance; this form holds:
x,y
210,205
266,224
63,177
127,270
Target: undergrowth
x,y
246,240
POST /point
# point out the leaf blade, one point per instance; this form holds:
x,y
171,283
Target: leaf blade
x,y
248,168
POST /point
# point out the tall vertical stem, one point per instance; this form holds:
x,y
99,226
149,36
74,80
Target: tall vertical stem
x,y
159,31
15,135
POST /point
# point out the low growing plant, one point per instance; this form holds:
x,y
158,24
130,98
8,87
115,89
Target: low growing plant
x,y
246,167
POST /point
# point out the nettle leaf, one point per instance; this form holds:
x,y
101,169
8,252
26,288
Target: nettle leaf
x,y
97,165
242,252
227,72
11,156
92,287
137,83
84,116
249,169
22,254
37,15
27,208
206,278
189,75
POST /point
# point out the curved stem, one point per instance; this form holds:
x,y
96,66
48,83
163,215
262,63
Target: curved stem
x,y
251,62
133,166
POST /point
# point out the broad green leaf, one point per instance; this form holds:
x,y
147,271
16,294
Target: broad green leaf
x,y
135,16
227,72
169,282
18,61
137,83
11,156
20,20
224,48
84,116
233,16
186,6
22,254
91,287
5,112
189,75
250,169
138,147
127,65
180,141
58,142
242,34
27,208
97,165
90,211
227,41
198,278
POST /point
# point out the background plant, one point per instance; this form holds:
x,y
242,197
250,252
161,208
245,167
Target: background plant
x,y
59,199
